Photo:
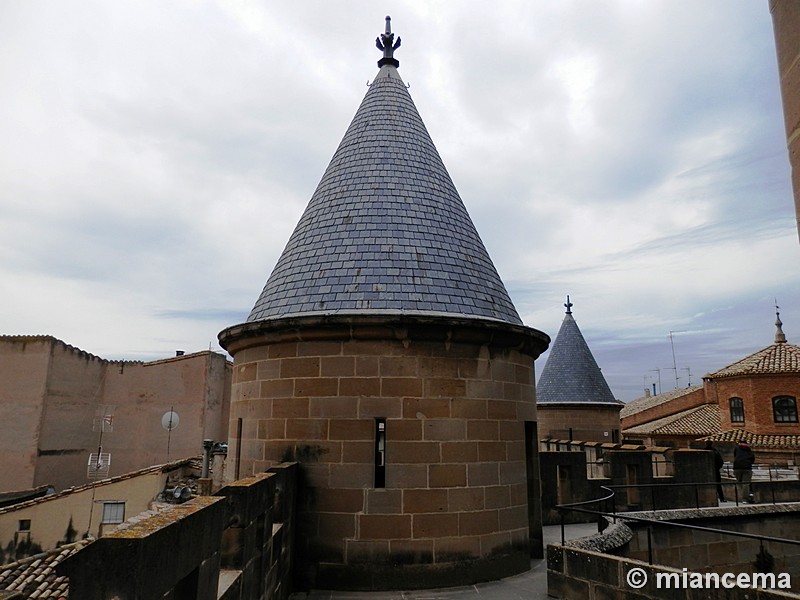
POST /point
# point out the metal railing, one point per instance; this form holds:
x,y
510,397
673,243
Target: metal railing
x,y
655,486
614,515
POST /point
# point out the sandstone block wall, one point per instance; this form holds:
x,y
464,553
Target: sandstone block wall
x,y
579,421
455,455
786,22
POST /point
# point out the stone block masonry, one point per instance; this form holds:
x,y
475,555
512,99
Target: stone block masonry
x,y
454,402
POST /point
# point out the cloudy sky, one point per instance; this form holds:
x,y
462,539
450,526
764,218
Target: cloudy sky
x,y
155,157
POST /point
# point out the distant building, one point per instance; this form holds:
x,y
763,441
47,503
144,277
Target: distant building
x,y
96,508
675,418
573,399
385,354
754,398
55,398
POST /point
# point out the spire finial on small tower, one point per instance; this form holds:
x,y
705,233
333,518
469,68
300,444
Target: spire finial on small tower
x,y
386,43
569,306
780,337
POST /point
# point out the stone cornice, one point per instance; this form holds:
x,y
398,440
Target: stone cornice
x,y
382,327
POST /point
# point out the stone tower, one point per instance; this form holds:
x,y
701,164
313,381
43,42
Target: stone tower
x,y
386,356
573,398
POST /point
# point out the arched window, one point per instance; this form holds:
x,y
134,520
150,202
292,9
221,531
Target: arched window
x,y
737,410
784,409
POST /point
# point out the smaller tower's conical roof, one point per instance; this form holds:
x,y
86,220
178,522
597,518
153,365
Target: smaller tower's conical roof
x,y
571,373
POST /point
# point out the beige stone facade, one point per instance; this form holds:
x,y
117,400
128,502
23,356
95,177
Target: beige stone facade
x,y
586,421
455,397
88,509
50,394
786,24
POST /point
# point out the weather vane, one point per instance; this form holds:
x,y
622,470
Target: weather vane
x,y
386,43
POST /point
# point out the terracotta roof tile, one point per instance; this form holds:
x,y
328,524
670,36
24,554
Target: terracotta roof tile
x,y
647,402
758,440
699,421
777,358
194,463
35,576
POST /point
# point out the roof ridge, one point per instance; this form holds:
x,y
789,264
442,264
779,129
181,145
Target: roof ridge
x,y
103,482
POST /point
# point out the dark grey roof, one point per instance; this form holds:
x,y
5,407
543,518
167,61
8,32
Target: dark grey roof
x,y
571,373
385,231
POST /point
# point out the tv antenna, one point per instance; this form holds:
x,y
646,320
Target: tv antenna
x,y
99,465
674,364
100,462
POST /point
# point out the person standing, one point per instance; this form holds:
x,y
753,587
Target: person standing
x,y
718,462
743,459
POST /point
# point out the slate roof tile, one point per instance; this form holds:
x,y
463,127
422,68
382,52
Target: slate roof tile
x,y
385,230
571,373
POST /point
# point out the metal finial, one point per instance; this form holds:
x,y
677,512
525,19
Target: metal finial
x,y
569,306
780,337
386,43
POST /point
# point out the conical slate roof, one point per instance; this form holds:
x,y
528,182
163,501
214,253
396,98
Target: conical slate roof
x,y
571,374
385,231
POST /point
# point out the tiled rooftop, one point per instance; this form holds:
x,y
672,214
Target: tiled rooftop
x,y
571,373
698,421
758,440
385,232
647,402
194,463
35,577
774,359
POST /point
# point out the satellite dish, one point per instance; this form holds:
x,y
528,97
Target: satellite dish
x,y
170,420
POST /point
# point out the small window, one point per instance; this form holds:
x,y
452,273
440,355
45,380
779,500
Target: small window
x,y
784,409
737,410
380,453
113,512
24,525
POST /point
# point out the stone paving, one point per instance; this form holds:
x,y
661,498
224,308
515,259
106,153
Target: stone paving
x,y
531,585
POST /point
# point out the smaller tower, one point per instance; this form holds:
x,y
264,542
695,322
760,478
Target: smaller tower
x,y
572,396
